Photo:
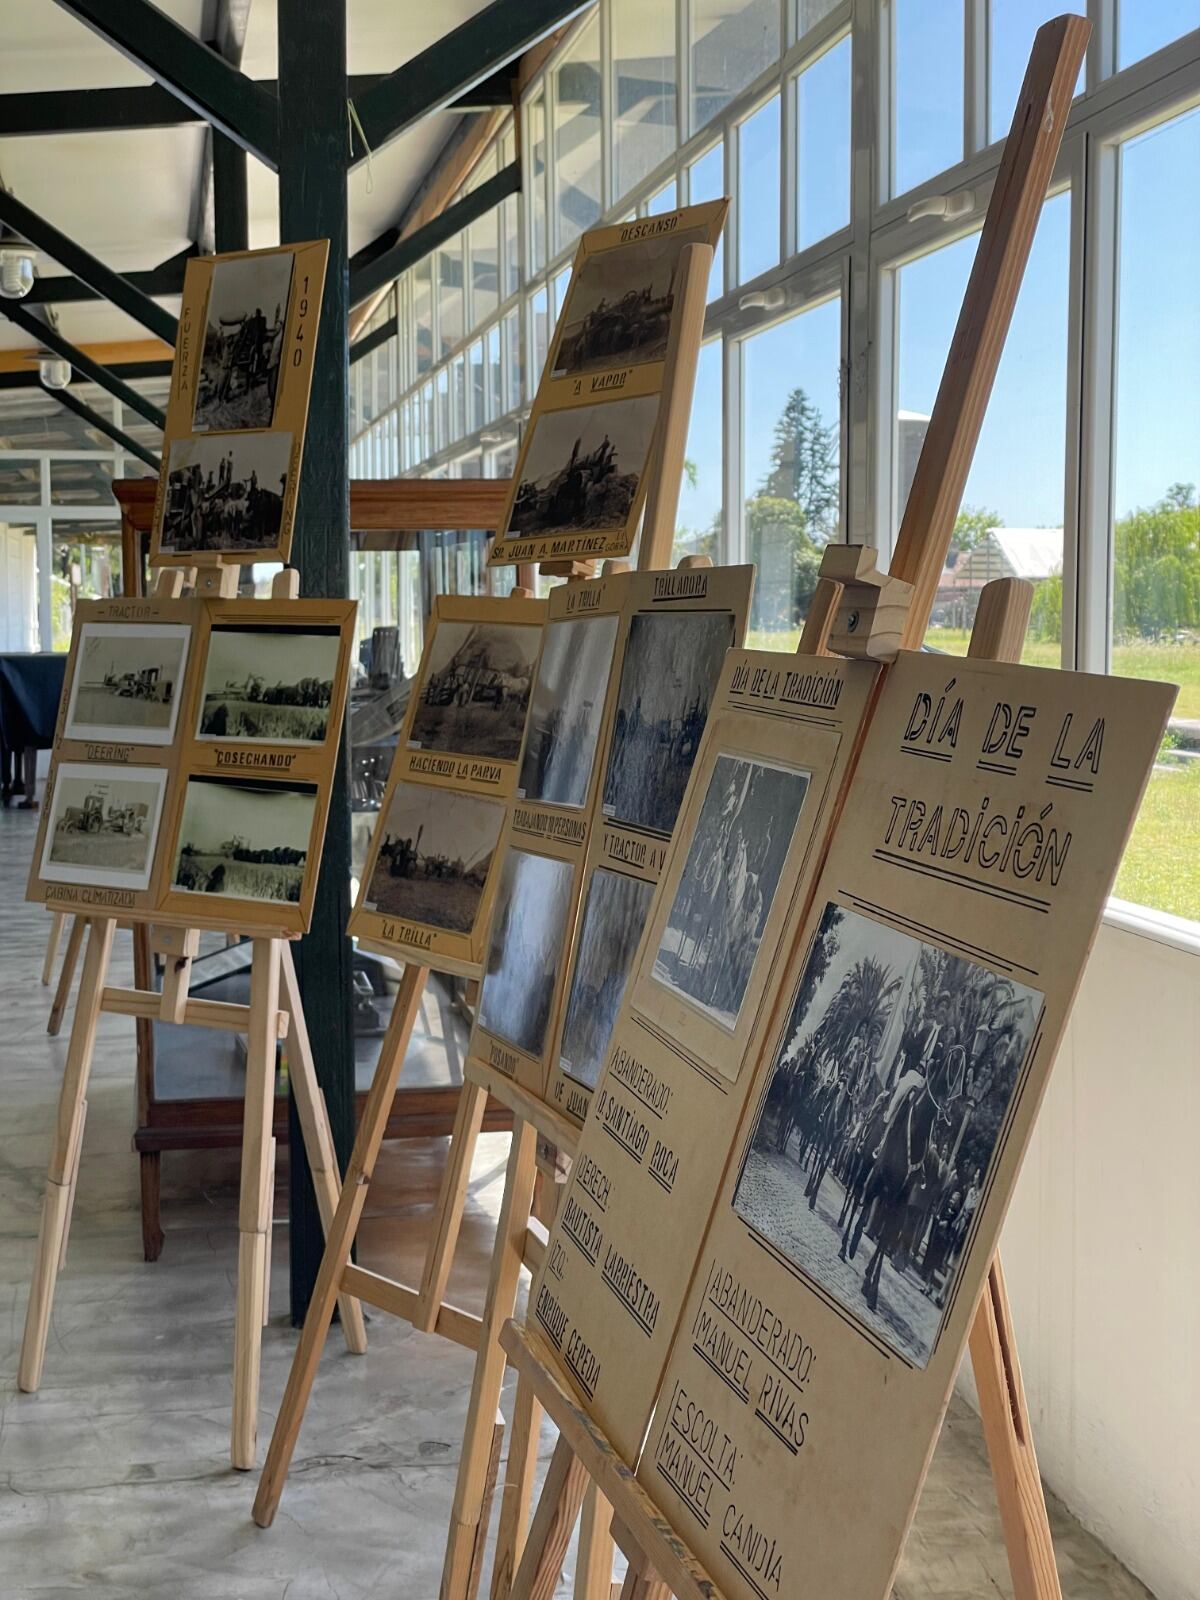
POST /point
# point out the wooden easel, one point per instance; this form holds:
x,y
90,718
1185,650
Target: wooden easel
x,y
520,1235
274,1012
584,1463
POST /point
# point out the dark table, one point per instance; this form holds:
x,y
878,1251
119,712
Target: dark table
x,y
30,689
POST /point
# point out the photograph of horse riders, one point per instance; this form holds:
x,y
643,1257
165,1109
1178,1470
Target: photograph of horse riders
x,y
243,341
566,710
225,492
529,935
618,311
583,466
728,883
874,1142
614,915
437,850
672,662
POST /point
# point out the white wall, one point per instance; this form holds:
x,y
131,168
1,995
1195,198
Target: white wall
x,y
18,589
1102,1257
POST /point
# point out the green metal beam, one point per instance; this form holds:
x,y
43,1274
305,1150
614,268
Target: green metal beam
x,y
165,279
28,379
109,285
95,420
452,67
371,267
52,340
371,341
198,76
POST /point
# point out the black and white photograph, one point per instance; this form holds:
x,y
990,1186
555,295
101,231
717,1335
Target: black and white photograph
x,y
243,840
583,467
476,689
618,310
243,341
529,935
874,1143
268,684
225,492
102,826
567,710
127,682
715,925
672,662
614,915
435,857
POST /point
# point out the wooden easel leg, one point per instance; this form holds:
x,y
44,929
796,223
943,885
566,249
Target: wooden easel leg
x,y
1009,1438
318,1139
517,1495
57,918
485,1515
65,1151
507,1256
642,1582
151,1185
594,1561
553,1523
254,1211
66,977
339,1238
452,1196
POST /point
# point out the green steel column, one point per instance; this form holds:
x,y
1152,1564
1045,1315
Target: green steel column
x,y
312,205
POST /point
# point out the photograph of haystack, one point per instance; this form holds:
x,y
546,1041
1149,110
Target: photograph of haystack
x,y
102,825
476,689
268,684
246,841
225,492
437,850
583,467
873,1145
613,918
618,310
566,711
126,682
672,662
243,341
728,885
529,929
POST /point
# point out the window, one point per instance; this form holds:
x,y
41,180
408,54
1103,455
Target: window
x,y
758,191
485,267
1013,24
510,337
707,180
698,523
927,92
1011,521
450,294
535,122
667,199
577,137
1156,495
791,465
1144,26
539,338
733,41
421,290
823,146
643,34
493,397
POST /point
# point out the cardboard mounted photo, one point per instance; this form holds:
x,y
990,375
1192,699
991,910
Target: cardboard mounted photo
x,y
431,870
583,471
238,406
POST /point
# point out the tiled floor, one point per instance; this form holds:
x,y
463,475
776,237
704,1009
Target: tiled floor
x,y
114,1478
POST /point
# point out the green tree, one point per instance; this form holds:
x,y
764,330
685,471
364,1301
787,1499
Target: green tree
x,y
1157,567
805,457
971,527
789,562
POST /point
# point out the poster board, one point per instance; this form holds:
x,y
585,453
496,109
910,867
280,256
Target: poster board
x,y
455,767
583,471
943,948
210,811
238,406
628,669
666,1109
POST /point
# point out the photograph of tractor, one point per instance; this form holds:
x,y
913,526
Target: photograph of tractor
x,y
125,681
103,828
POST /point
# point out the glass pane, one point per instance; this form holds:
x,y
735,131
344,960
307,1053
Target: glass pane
x,y
450,294
1013,26
577,137
442,434
732,42
1146,25
791,465
758,191
810,12
485,264
1156,501
928,99
86,566
427,444
699,518
823,146
1011,521
707,182
492,400
667,199
458,398
422,304
511,336
512,257
539,334
476,401
535,128
560,290
81,483
20,482
643,46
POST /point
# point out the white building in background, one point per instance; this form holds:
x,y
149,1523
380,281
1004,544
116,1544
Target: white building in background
x,y
1032,553
911,428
